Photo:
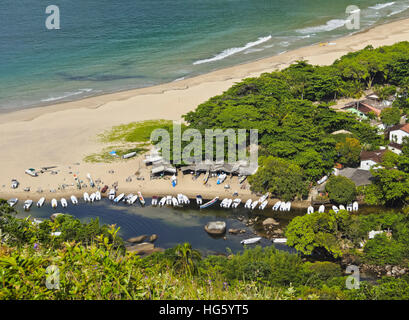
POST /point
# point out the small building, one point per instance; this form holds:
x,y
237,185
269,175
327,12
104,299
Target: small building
x,y
371,158
394,147
398,132
359,176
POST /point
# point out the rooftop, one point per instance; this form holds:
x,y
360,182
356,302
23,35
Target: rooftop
x,y
375,156
358,176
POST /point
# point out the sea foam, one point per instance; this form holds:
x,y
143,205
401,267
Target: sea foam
x,y
66,95
380,6
228,52
329,26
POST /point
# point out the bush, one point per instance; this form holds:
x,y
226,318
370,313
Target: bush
x,y
341,190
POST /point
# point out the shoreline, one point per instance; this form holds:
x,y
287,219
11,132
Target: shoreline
x,y
63,134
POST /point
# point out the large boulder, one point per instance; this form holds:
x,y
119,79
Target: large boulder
x,y
153,238
269,222
216,227
138,239
143,249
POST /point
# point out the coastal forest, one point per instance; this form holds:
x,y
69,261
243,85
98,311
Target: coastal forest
x,y
293,111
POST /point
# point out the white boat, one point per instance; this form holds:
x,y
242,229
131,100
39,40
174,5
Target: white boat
x,y
133,199
223,202
288,206
92,197
91,182
54,203
280,240
128,197
236,203
12,202
141,199
162,202
86,197
248,203
335,208
277,205
228,203
251,240
263,205
283,206
119,198
175,202
31,172
98,196
221,178
154,201
206,177
355,206
64,203
349,207
310,210
321,209
40,202
111,194
341,207
28,204
14,184
74,200
199,200
322,180
264,197
185,199
180,198
169,200
254,204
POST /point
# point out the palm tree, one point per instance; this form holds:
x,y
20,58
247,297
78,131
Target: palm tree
x,y
187,258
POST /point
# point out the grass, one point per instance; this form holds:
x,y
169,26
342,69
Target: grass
x,y
105,157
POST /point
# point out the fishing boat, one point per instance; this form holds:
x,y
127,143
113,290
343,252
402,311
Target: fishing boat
x,y
264,197
128,197
174,181
280,240
288,206
263,205
355,206
223,202
206,177
14,184
12,202
141,199
40,202
154,201
31,172
119,198
221,178
282,206
236,203
162,202
133,199
310,210
335,208
247,205
104,189
180,198
228,203
341,207
98,196
28,204
111,194
54,203
349,207
321,209
64,203
241,180
199,200
86,197
251,240
175,202
91,182
92,197
210,203
254,204
277,205
74,200
169,200
185,199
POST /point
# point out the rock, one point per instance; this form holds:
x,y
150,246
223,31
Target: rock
x,y
270,221
153,238
242,231
137,239
216,227
234,231
144,248
278,231
55,215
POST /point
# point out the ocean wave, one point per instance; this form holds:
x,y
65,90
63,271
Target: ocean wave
x,y
228,52
66,95
380,6
329,26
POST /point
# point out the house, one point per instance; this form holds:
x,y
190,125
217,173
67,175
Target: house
x,y
371,158
398,132
359,176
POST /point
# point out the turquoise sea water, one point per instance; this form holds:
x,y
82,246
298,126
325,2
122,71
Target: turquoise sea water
x,y
110,45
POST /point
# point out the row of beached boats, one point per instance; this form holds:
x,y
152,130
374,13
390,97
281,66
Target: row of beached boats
x,y
350,207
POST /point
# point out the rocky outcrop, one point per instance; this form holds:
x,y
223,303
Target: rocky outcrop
x,y
143,249
237,231
153,238
269,222
216,228
138,239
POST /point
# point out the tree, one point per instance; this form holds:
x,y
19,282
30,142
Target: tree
x,y
186,259
349,151
390,116
341,190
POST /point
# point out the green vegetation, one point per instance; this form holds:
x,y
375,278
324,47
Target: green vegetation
x,y
349,150
105,157
390,116
341,190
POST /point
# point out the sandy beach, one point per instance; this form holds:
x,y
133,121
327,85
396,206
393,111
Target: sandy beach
x,y
62,135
